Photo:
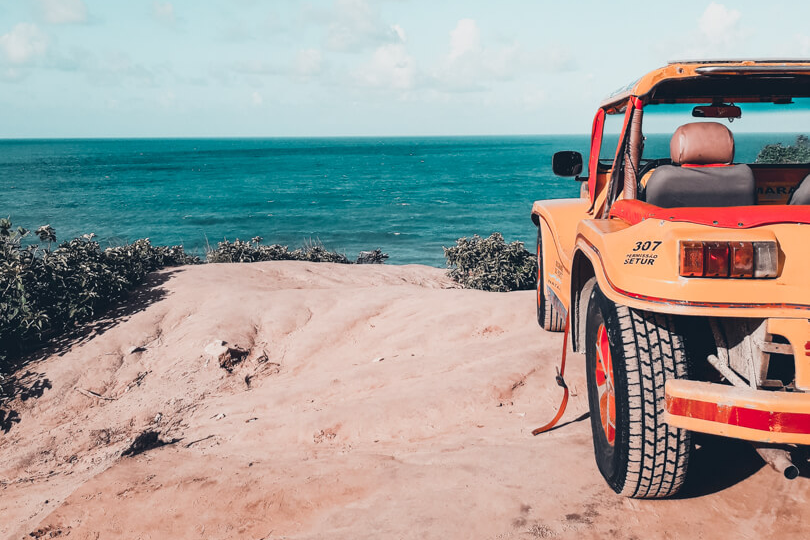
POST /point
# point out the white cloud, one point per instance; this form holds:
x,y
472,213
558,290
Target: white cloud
x,y
164,12
23,44
473,65
257,99
470,66
356,25
719,33
308,62
63,11
390,67
720,25
465,38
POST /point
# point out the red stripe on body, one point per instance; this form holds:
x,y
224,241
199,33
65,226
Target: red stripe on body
x,y
770,421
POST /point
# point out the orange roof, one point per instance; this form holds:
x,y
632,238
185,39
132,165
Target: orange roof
x,y
704,68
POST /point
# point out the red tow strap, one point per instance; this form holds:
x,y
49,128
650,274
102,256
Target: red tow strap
x,y
560,382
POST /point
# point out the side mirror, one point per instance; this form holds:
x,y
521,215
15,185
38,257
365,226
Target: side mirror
x,y
566,163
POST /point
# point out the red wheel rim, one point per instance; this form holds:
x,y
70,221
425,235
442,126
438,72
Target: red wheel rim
x,y
604,384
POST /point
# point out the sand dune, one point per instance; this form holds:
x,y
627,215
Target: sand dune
x,y
374,402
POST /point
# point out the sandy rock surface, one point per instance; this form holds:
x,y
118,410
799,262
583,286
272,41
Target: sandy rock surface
x,y
370,402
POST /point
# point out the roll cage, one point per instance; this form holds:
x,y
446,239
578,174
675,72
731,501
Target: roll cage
x,y
765,81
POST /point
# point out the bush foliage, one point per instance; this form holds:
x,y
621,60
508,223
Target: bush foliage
x,y
253,251
44,290
490,264
792,153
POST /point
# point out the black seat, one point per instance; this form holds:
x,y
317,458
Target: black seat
x,y
802,193
702,173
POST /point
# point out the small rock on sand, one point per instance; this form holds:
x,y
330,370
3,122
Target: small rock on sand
x,y
227,356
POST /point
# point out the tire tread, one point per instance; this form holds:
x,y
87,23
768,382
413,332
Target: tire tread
x,y
657,453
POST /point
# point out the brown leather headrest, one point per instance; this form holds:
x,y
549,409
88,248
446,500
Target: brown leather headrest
x,y
702,143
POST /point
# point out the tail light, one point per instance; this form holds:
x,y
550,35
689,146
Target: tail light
x,y
715,263
741,258
729,259
766,259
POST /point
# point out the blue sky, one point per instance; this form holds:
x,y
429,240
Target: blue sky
x,y
93,68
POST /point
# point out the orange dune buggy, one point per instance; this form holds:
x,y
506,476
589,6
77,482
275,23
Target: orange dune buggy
x,y
684,275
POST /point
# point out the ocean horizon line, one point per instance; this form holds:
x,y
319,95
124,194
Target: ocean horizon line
x,y
281,137
336,137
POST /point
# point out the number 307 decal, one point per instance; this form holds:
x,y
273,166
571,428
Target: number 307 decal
x,y
649,245
642,253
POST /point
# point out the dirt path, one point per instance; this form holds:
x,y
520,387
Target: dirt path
x,y
374,402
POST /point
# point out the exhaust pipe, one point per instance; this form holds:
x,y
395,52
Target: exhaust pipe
x,y
779,459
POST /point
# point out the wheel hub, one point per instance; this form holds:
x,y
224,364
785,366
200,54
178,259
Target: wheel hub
x,y
604,384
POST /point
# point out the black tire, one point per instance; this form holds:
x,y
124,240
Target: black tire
x,y
646,458
547,317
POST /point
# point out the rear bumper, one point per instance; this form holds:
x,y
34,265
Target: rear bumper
x,y
741,413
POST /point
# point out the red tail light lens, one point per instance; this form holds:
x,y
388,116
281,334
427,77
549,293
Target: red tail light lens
x,y
729,259
742,259
716,259
691,258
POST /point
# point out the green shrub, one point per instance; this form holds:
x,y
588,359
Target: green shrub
x,y
792,153
254,251
490,264
375,256
239,251
46,291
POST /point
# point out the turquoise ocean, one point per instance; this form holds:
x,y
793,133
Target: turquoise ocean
x,y
407,196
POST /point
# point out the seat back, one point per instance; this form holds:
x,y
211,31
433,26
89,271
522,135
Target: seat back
x,y
802,193
702,173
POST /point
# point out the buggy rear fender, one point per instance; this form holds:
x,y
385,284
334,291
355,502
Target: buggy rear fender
x,y
557,221
638,266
